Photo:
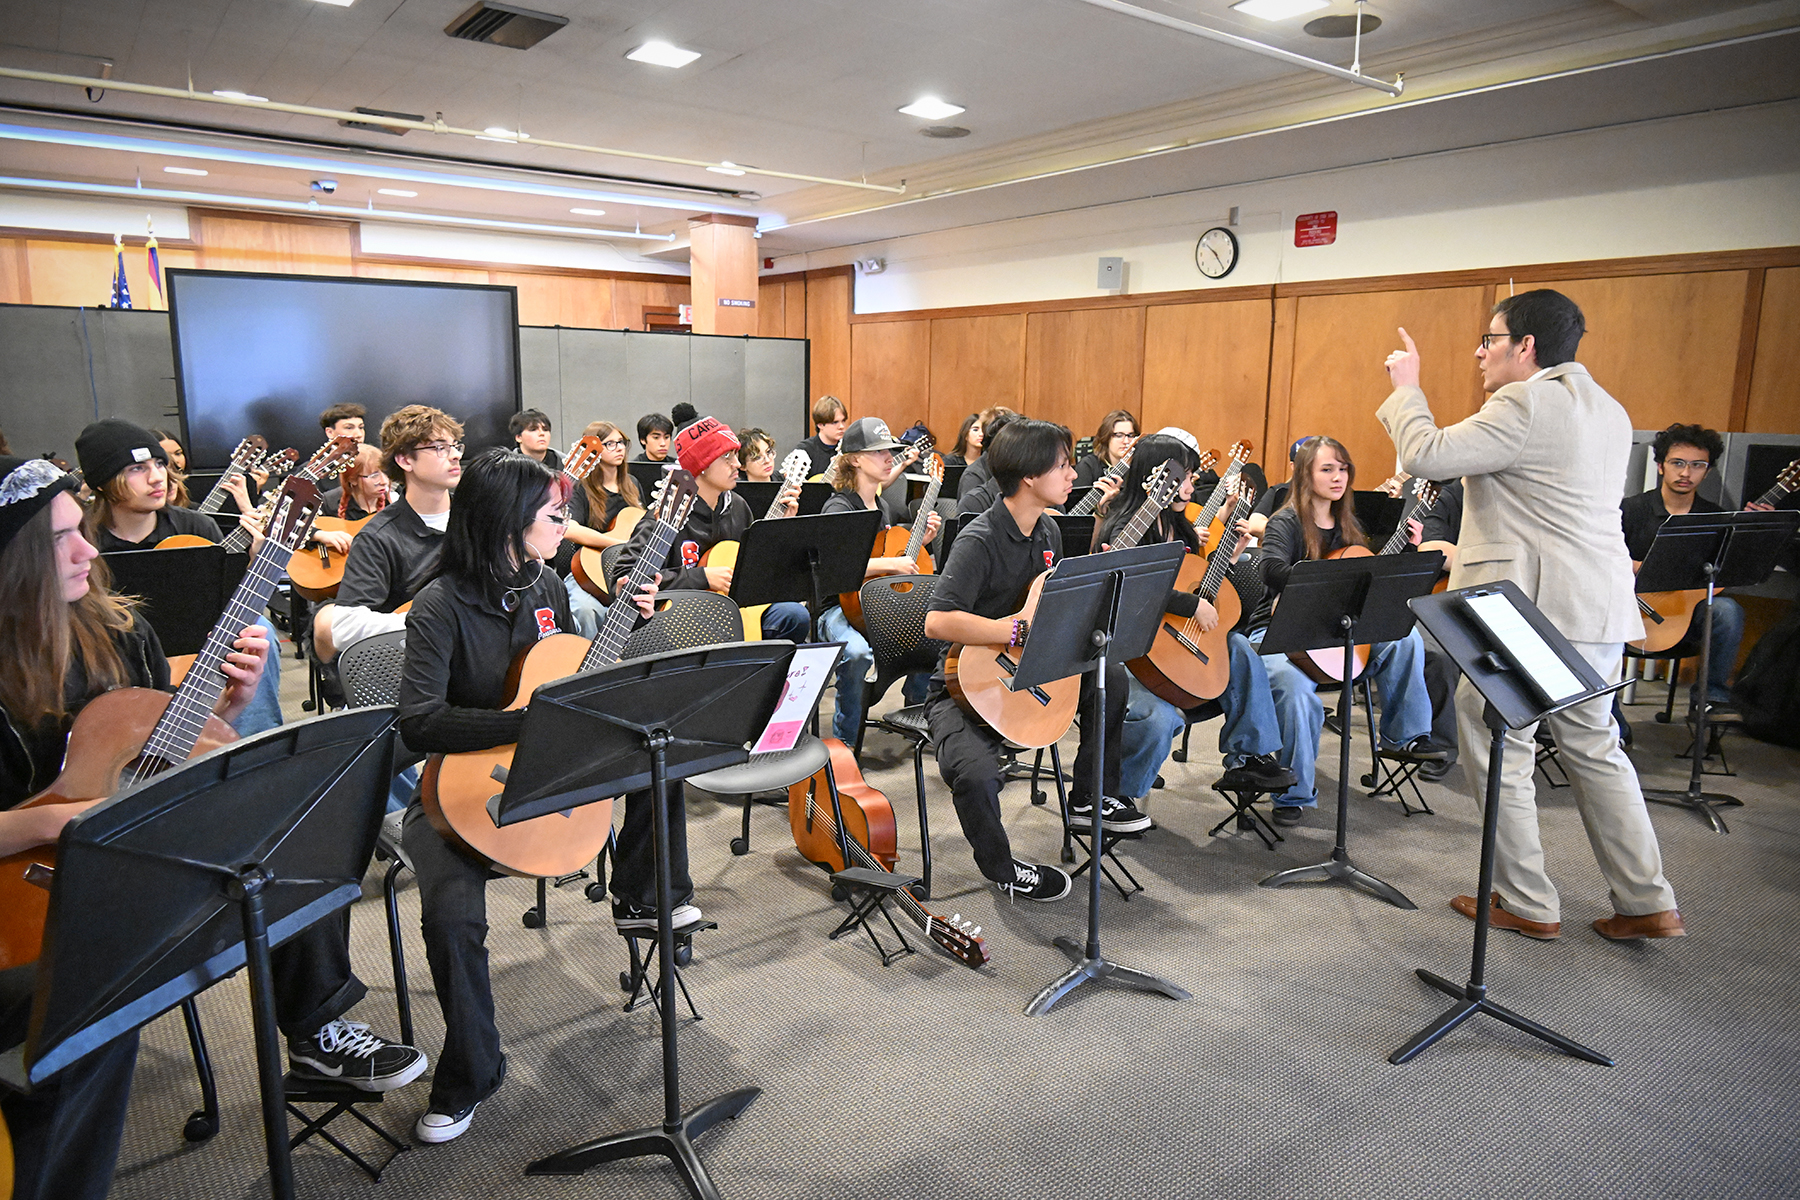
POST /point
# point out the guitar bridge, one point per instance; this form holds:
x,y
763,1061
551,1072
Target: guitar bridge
x,y
1011,668
1192,646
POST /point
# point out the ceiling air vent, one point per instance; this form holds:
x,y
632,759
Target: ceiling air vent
x,y
944,131
371,127
504,25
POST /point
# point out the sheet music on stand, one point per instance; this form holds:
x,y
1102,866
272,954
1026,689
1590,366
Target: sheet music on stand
x,y
1524,647
808,672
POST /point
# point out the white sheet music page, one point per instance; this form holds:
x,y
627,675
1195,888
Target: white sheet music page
x,y
1527,649
808,673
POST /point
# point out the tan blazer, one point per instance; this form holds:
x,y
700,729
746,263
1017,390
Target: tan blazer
x,y
1543,468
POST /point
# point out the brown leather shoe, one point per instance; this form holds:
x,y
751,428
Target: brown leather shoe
x,y
1621,928
1499,918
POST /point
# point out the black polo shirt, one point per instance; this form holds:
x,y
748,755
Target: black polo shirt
x,y
991,564
1443,521
973,476
459,649
390,560
1643,514
820,454
1090,468
170,521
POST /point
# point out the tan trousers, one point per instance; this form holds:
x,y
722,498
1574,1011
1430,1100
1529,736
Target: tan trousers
x,y
1606,793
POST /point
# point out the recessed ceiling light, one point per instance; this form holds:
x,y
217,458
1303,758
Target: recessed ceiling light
x,y
1277,10
662,54
930,108
588,212
228,94
338,3
726,168
184,170
396,192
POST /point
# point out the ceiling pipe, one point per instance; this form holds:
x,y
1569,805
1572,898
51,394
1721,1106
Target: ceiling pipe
x,y
437,126
1352,75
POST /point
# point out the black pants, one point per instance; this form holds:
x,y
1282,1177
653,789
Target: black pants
x,y
969,754
453,917
65,1135
1441,677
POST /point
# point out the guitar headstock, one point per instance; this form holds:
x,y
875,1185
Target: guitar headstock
x,y
795,467
1427,492
244,457
915,450
279,462
330,459
582,458
1240,452
673,498
1161,487
1789,478
934,467
291,519
1208,461
958,938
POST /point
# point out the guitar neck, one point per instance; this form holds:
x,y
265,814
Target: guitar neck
x,y
1216,501
866,860
1133,531
916,542
215,499
1220,563
1776,494
621,615
782,496
1091,501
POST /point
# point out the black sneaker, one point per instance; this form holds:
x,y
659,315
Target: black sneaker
x,y
1433,772
1117,815
641,918
346,1052
1419,749
1289,814
1258,773
1036,881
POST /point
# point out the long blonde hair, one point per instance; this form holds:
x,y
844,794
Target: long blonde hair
x,y
1301,496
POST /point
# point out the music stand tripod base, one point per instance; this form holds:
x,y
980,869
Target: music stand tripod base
x,y
1697,802
1339,869
1097,970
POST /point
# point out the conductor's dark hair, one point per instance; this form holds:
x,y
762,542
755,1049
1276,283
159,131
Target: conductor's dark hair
x,y
1024,449
651,423
494,504
1549,318
1151,453
526,418
1689,435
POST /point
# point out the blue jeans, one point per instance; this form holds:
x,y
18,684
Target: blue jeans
x,y
786,622
1398,669
264,710
853,672
585,612
1151,723
1727,634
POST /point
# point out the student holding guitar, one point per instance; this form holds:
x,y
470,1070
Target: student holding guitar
x,y
708,451
1114,437
1317,520
64,640
127,469
1250,737
865,459
492,601
606,491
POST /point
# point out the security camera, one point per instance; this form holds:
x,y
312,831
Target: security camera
x,y
327,186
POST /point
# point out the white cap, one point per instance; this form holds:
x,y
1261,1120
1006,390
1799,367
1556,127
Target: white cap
x,y
1181,435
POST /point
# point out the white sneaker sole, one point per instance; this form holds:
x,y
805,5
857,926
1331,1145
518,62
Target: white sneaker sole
x,y
311,1071
433,1135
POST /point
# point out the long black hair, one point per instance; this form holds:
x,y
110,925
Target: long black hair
x,y
495,502
1151,453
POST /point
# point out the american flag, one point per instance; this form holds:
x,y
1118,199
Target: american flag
x,y
121,291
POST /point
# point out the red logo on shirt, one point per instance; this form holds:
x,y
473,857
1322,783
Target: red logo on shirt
x,y
690,554
1049,559
546,619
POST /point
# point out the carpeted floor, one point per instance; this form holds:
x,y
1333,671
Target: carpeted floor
x,y
925,1079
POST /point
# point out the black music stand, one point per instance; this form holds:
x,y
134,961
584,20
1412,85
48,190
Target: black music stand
x,y
1343,602
184,589
1077,533
1097,609
649,474
804,559
1711,551
646,722
1514,701
207,897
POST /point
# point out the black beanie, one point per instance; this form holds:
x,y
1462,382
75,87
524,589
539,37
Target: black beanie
x,y
27,485
107,447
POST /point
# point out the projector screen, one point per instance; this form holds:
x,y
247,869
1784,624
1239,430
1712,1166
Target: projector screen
x,y
268,353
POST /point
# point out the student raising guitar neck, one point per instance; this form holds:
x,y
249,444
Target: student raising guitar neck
x,y
865,461
1318,518
494,599
992,564
708,451
1250,736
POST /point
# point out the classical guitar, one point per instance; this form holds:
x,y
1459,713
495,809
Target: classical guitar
x,y
1669,615
1186,665
328,459
869,824
1209,524
1033,717
125,736
793,474
898,541
243,460
1090,502
457,789
1326,664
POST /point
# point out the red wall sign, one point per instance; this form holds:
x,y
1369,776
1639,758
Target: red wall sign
x,y
1315,229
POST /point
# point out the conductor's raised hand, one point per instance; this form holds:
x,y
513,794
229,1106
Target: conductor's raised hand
x,y
1403,365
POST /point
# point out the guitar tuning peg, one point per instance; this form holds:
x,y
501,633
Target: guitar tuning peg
x,y
956,918
975,932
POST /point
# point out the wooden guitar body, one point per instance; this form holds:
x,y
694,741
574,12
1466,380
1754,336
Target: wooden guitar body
x,y
456,788
625,522
107,735
180,540
868,817
1033,718
1327,665
318,572
1184,666
1677,612
889,543
586,568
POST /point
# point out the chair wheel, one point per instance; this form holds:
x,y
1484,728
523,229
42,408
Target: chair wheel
x,y
199,1127
1068,854
595,892
839,893
1662,718
740,846
1158,783
1368,781
1179,756
624,981
684,954
1039,798
533,918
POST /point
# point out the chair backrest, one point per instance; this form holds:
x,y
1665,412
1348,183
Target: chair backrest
x,y
691,619
894,614
1246,577
609,565
370,669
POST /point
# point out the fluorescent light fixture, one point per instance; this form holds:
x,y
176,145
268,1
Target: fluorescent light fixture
x,y
1278,10
930,108
338,3
184,170
726,168
231,95
588,212
662,54
499,133
397,192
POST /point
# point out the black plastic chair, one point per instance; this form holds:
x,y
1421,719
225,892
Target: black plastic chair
x,y
686,619
894,615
